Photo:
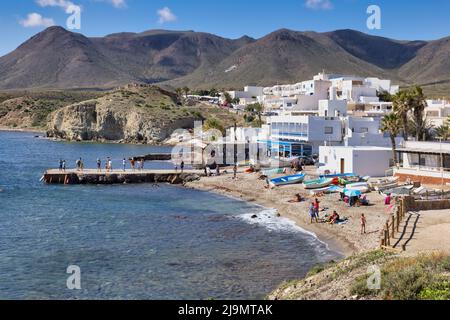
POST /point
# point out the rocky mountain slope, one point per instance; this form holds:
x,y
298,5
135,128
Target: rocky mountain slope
x,y
56,58
131,114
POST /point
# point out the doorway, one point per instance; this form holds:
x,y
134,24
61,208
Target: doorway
x,y
342,166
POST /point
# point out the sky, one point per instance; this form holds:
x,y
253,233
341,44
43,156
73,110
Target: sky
x,y
400,19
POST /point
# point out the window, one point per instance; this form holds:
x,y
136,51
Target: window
x,y
363,130
328,130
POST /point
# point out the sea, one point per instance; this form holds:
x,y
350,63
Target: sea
x,y
133,242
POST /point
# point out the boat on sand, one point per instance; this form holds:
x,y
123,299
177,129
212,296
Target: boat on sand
x,y
286,180
317,184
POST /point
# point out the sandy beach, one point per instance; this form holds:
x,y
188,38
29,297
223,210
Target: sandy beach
x,y
345,238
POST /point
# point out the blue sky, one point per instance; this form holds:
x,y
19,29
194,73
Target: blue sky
x,y
401,19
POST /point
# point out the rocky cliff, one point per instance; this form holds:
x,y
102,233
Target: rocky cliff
x,y
132,114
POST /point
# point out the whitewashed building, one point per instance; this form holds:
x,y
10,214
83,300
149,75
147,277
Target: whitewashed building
x,y
437,112
364,161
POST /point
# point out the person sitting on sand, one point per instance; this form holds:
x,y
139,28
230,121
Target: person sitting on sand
x,y
363,200
298,198
334,218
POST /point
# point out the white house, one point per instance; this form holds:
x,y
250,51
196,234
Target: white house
x,y
437,112
364,161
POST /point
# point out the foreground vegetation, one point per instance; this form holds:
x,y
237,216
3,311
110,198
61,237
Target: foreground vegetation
x,y
423,277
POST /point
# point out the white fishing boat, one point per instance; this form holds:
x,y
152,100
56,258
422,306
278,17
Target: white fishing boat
x,y
363,187
317,184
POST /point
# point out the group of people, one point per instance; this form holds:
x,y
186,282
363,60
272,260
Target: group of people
x,y
360,200
335,218
134,164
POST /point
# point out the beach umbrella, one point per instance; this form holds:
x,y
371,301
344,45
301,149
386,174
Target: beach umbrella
x,y
352,193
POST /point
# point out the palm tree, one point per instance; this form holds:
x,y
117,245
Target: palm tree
x,y
418,105
214,124
442,132
256,109
391,124
401,104
179,92
186,91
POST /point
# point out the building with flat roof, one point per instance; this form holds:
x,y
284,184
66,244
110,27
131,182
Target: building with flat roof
x,y
361,160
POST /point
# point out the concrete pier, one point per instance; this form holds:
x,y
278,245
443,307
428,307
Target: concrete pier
x,y
71,177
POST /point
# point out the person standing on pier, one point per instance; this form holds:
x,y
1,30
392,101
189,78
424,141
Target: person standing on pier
x,y
182,166
110,167
133,164
124,164
64,165
60,165
78,163
99,165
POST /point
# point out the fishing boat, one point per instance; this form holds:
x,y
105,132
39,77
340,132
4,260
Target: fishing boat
x,y
272,172
363,187
286,180
326,190
317,184
341,175
384,184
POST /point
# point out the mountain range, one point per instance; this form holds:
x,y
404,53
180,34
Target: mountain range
x,y
59,59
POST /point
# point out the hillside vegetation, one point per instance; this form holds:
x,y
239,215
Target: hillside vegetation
x,y
424,277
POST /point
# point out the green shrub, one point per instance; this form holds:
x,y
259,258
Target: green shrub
x,y
407,283
361,289
440,290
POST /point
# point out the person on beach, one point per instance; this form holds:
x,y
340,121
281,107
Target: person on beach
x,y
235,171
124,164
99,165
312,214
363,224
316,207
334,218
388,200
182,166
60,165
298,198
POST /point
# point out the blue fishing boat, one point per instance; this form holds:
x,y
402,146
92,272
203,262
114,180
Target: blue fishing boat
x,y
293,179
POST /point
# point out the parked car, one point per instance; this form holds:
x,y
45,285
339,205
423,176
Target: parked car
x,y
307,161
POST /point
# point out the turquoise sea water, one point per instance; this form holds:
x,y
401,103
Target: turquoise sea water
x,y
134,241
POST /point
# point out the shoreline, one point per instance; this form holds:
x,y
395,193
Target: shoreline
x,y
30,130
345,239
333,242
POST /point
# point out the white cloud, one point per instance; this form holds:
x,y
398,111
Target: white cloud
x,y
66,5
166,15
118,3
36,20
319,4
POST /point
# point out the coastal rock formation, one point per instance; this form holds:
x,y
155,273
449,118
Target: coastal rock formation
x,y
133,114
